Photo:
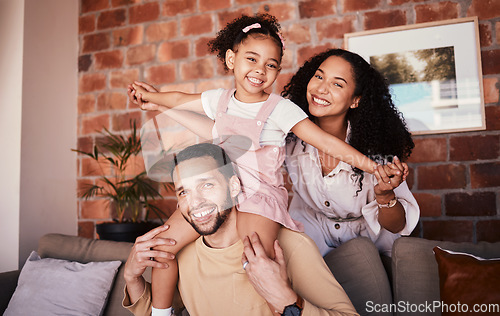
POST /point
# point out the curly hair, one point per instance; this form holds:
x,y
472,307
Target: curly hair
x,y
232,35
377,128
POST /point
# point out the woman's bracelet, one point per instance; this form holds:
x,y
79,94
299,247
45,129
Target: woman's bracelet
x,y
389,204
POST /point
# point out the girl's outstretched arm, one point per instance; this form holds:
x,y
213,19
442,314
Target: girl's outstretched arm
x,y
331,145
151,100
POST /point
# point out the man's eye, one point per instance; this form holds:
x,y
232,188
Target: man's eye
x,y
181,193
208,185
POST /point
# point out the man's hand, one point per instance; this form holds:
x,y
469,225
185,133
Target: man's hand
x,y
268,277
142,256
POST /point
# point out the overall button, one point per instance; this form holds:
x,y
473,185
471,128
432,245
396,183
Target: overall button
x,y
275,149
259,123
337,226
327,204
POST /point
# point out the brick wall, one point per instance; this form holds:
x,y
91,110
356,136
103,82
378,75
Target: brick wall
x,y
455,177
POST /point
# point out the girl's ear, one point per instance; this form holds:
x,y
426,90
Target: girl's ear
x,y
355,102
230,59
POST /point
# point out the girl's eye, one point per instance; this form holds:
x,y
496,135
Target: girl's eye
x,y
251,59
273,66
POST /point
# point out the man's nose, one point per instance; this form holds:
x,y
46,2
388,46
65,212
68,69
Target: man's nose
x,y
196,199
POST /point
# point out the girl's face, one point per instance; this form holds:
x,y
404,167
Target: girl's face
x,y
330,92
256,65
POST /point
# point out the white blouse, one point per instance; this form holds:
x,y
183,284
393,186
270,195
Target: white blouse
x,y
329,207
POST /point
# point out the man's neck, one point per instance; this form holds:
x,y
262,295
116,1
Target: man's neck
x,y
226,235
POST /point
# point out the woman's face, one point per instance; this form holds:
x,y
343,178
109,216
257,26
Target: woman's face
x,y
330,92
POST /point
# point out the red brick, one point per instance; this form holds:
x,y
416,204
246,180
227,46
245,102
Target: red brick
x,y
92,82
298,33
489,61
485,36
429,150
121,122
430,204
94,124
491,88
201,46
487,230
246,1
161,31
92,168
484,9
456,231
485,175
178,7
95,209
122,78
283,79
140,54
210,5
315,8
197,24
360,5
112,18
94,5
86,229
215,84
440,11
227,16
95,42
470,204
111,101
474,147
380,19
160,74
440,177
144,12
497,31
107,60
304,53
84,63
86,24
119,3
85,144
86,103
282,11
492,115
173,50
334,28
128,36
199,69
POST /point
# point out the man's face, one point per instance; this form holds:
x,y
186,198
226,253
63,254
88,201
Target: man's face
x,y
203,193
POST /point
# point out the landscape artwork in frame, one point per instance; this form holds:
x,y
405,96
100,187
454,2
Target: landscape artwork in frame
x,y
433,70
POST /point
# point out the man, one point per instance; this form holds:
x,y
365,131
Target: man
x,y
214,277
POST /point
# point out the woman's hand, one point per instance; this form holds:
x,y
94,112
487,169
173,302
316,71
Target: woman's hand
x,y
390,176
137,90
268,276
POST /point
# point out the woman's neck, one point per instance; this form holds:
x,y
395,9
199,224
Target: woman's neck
x,y
333,125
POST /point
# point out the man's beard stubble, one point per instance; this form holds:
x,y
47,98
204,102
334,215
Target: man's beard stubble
x,y
219,219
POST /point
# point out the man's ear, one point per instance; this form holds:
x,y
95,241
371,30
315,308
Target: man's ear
x,y
355,102
230,59
234,186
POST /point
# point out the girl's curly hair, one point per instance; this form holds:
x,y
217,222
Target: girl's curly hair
x,y
232,35
377,128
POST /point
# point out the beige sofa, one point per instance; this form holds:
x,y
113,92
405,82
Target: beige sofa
x,y
414,278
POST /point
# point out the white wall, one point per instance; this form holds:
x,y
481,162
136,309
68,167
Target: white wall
x,y
47,108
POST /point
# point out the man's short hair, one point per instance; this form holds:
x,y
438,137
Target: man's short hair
x,y
223,162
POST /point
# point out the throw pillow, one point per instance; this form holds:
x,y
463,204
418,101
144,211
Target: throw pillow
x,y
59,287
466,280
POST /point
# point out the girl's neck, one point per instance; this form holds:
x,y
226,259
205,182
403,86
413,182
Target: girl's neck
x,y
251,97
333,125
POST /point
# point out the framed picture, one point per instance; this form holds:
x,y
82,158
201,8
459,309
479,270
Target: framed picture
x,y
434,72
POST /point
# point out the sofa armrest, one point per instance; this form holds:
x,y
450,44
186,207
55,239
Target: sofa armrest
x,y
8,284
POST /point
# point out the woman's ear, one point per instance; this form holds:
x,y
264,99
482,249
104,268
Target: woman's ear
x,y
230,59
234,186
355,102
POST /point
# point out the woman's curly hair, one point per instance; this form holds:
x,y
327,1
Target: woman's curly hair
x,y
377,128
232,35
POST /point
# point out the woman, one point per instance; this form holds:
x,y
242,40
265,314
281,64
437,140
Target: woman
x,y
336,202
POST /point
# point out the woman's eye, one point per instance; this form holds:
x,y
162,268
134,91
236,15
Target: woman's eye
x,y
318,77
337,85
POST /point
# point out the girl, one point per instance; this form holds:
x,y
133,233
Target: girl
x,y
252,48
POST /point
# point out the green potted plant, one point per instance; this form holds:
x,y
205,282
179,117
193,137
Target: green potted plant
x,y
131,195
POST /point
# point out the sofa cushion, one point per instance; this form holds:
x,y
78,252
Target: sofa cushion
x,y
357,266
466,280
415,271
60,287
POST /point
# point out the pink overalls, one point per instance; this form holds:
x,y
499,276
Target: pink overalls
x,y
263,190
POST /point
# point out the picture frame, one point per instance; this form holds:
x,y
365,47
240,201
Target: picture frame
x,y
434,72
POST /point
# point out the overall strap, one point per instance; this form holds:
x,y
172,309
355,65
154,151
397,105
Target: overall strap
x,y
268,107
224,100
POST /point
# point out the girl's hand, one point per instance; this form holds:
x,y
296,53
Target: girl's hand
x,y
268,277
136,93
390,176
